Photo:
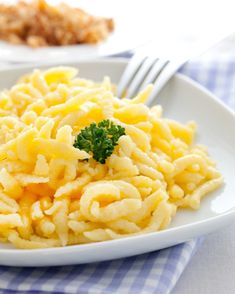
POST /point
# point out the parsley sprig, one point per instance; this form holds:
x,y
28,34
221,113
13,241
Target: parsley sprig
x,y
99,139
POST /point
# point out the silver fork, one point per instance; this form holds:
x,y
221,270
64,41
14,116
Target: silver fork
x,y
146,67
143,70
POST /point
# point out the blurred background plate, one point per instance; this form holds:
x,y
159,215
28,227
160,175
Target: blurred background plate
x,y
128,34
166,23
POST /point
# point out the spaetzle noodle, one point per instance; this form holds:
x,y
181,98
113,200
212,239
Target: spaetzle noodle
x,y
50,196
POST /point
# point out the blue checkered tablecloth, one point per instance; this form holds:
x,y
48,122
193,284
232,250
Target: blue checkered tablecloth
x,y
155,272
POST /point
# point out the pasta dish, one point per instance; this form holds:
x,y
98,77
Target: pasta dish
x,y
79,165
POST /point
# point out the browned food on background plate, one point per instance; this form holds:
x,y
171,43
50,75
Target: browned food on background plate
x,y
39,24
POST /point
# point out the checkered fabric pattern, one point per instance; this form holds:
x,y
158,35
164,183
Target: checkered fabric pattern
x,y
155,272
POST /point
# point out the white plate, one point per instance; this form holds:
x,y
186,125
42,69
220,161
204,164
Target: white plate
x,y
183,100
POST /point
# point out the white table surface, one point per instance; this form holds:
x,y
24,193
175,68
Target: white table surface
x,y
212,269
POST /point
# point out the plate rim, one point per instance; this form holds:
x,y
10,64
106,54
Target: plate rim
x,y
226,216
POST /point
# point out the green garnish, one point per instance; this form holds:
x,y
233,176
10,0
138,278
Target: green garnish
x,y
99,139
